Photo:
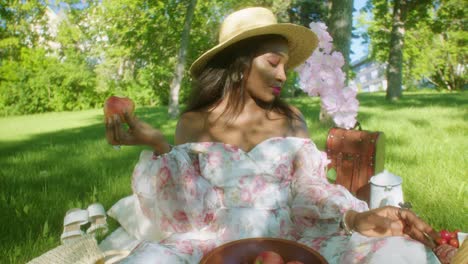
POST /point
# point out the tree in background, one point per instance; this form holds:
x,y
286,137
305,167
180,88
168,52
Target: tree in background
x,y
391,21
133,43
340,24
434,35
180,66
104,47
336,14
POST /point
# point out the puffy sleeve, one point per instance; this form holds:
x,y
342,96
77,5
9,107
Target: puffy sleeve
x,y
171,192
316,203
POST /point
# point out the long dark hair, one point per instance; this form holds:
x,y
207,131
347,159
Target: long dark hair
x,y
223,75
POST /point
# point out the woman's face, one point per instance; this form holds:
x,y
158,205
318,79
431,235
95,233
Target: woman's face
x,y
268,70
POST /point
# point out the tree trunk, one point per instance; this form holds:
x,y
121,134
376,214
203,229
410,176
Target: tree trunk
x,y
340,25
180,66
395,59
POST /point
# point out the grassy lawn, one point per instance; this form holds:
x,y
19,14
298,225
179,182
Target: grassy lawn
x,y
52,162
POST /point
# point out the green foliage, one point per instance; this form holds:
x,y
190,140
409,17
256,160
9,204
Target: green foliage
x,y
138,46
36,77
78,55
450,45
75,57
40,83
437,50
381,24
437,58
304,11
17,19
435,46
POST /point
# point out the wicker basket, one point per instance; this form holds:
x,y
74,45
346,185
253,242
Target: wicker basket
x,y
82,251
462,254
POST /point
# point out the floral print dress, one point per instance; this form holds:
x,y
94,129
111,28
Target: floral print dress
x,y
202,195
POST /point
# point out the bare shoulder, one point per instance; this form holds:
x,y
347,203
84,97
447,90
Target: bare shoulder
x,y
189,127
299,126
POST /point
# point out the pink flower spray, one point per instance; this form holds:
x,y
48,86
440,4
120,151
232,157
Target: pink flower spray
x,y
321,75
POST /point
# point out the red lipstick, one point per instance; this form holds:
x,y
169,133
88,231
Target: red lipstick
x,y
277,90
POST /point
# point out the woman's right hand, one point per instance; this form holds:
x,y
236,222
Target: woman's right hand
x,y
392,221
139,133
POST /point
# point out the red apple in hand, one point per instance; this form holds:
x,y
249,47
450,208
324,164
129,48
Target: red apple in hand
x,y
441,241
445,234
115,105
453,242
269,257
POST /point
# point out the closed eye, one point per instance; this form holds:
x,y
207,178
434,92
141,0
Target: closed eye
x,y
274,61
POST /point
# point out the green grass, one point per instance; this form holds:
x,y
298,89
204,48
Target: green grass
x,y
52,162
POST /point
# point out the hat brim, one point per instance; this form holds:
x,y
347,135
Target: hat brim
x,y
301,41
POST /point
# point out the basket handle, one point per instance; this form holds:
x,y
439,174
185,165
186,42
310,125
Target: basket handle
x,y
113,256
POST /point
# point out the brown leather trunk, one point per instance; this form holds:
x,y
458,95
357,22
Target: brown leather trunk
x,y
356,155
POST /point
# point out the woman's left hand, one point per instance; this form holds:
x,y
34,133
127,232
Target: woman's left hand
x,y
392,221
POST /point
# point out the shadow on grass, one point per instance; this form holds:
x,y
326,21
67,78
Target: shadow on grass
x,y
414,99
46,175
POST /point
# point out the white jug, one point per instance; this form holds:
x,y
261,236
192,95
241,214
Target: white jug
x,y
385,190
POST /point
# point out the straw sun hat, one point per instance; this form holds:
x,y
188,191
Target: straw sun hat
x,y
257,21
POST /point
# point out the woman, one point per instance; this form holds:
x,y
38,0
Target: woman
x,y
243,165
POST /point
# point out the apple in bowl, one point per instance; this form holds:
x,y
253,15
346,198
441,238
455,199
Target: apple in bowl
x,y
265,250
269,257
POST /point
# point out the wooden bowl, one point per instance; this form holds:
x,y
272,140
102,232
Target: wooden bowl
x,y
244,251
